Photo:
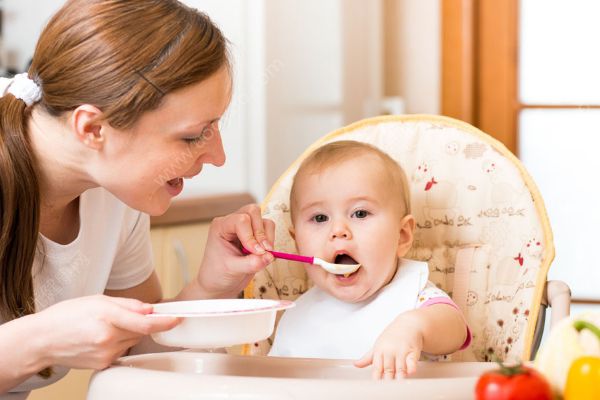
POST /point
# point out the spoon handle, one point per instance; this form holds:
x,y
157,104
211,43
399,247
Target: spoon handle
x,y
287,256
293,257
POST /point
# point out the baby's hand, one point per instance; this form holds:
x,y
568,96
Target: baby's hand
x,y
395,353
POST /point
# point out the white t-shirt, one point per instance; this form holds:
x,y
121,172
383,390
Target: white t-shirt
x,y
112,251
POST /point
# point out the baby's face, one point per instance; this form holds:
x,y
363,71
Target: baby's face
x,y
347,214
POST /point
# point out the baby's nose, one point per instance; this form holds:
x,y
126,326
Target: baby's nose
x,y
340,231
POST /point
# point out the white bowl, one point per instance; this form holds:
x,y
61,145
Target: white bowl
x,y
219,323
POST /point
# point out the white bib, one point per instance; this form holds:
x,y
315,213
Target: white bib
x,y
321,326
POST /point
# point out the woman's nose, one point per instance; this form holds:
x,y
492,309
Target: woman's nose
x,y
215,154
340,231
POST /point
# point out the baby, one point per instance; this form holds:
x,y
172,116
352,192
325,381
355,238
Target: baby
x,y
350,204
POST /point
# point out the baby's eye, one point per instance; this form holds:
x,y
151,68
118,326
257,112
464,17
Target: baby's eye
x,y
360,214
320,218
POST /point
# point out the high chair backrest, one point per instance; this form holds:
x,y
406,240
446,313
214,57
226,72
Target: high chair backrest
x,y
481,226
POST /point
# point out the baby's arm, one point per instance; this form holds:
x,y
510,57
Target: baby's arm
x,y
435,328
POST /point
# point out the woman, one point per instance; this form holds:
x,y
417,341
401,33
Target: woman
x,y
121,102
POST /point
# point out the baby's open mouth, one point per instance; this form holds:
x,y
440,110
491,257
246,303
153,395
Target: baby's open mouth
x,y
346,259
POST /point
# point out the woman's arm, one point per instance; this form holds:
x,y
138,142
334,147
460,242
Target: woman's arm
x,y
225,271
22,353
86,332
148,291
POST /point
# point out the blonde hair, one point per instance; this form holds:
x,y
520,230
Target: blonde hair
x,y
335,153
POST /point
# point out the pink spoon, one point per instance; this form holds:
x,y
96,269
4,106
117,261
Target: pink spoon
x,y
338,269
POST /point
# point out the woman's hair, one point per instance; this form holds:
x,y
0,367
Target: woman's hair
x,y
335,153
122,56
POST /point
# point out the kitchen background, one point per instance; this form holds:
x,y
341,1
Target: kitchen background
x,y
524,71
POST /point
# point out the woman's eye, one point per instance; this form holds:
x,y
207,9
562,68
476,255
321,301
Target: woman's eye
x,y
320,218
194,140
206,134
360,214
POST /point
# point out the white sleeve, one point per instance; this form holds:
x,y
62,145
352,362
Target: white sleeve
x,y
133,263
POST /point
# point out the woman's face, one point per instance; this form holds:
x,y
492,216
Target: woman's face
x,y
145,165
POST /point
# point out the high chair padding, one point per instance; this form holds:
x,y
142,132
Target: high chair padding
x,y
481,227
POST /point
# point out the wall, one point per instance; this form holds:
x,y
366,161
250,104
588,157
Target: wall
x,y
329,53
21,28
412,53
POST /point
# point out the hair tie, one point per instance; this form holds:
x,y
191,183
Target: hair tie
x,y
22,88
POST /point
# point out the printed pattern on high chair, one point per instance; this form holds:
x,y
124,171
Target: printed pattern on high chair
x,y
481,227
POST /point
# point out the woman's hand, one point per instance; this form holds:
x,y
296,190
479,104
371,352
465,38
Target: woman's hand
x,y
92,332
396,351
225,270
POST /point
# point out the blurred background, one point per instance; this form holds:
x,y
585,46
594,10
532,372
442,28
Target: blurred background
x,y
526,72
302,68
523,71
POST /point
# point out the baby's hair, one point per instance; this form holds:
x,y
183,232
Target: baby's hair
x,y
337,152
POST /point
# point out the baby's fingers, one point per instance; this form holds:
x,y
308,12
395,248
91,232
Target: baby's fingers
x,y
390,366
377,372
411,361
401,366
365,361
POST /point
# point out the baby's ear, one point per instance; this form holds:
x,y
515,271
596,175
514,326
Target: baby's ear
x,y
407,228
292,232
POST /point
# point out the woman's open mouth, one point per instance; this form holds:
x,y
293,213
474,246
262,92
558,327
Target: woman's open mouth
x,y
175,186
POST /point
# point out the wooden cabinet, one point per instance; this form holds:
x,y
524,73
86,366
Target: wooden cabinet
x,y
178,251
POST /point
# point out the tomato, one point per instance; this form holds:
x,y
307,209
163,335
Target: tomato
x,y
513,383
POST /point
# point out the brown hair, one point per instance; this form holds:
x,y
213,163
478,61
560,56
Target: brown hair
x,y
122,56
335,153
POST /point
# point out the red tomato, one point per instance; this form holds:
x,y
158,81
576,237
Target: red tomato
x,y
513,383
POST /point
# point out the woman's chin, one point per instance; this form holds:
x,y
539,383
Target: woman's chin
x,y
154,207
158,209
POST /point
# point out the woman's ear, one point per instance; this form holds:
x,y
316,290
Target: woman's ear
x,y
87,126
292,232
407,229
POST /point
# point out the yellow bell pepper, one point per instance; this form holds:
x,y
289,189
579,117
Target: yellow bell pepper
x,y
566,344
583,379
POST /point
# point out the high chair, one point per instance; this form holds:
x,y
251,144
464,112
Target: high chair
x,y
482,228
481,225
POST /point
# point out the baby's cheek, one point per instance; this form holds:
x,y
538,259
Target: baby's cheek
x,y
316,274
308,244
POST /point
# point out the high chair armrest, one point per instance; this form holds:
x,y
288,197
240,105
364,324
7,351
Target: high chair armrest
x,y
557,295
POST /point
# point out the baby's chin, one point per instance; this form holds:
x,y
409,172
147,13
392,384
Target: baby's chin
x,y
351,294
